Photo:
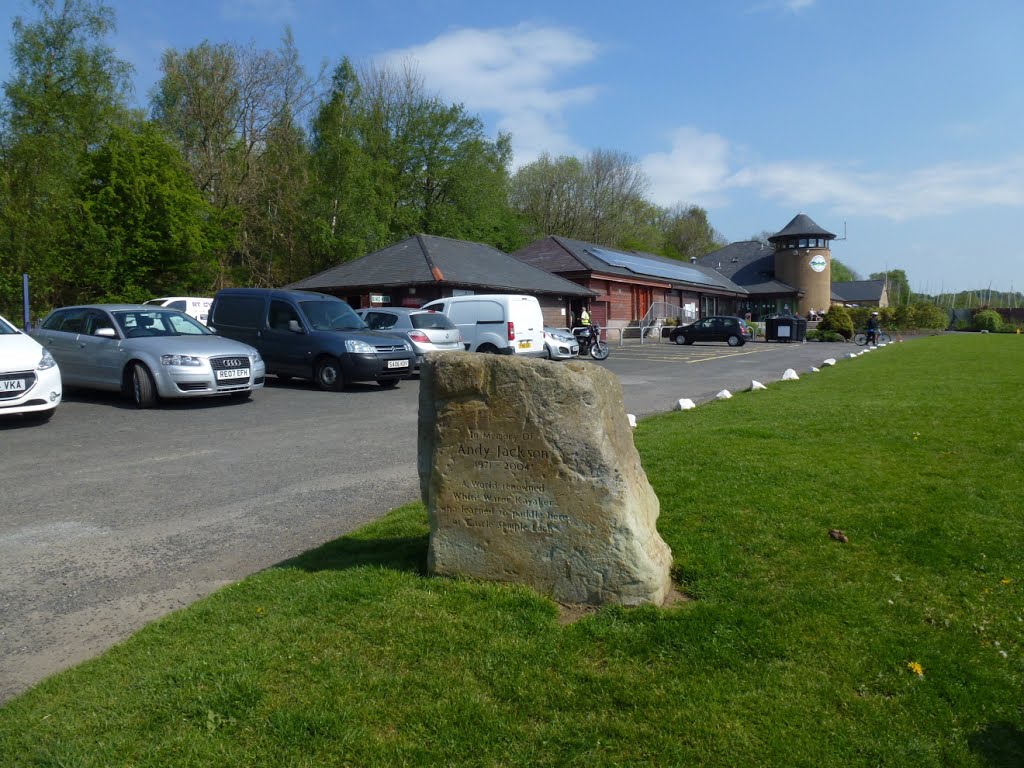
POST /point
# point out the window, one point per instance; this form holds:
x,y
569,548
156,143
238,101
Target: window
x,y
95,320
803,242
177,305
242,311
66,321
281,312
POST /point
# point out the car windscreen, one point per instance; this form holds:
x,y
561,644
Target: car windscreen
x,y
431,321
136,323
332,316
6,328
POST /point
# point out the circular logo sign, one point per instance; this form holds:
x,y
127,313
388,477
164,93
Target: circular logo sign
x,y
818,263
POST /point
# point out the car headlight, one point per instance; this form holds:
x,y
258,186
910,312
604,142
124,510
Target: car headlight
x,y
185,360
46,361
361,347
256,356
408,346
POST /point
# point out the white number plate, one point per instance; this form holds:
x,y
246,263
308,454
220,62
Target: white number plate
x,y
12,385
398,363
233,373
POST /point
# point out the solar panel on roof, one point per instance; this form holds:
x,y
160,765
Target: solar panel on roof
x,y
644,266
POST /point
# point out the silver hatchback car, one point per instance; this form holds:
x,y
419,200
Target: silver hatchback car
x,y
426,330
147,353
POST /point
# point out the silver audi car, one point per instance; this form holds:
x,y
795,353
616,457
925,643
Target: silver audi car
x,y
147,352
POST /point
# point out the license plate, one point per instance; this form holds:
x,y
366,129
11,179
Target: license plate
x,y
12,385
525,344
233,373
398,363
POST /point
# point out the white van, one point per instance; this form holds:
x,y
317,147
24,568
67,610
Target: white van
x,y
503,324
199,308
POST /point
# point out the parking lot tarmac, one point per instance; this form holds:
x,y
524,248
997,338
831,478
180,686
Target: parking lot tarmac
x,y
112,517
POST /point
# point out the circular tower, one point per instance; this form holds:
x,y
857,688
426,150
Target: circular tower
x,y
803,260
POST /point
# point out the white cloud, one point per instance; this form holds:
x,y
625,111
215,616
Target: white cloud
x,y
699,168
695,168
510,72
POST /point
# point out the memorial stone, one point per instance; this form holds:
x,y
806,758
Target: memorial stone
x,y
529,474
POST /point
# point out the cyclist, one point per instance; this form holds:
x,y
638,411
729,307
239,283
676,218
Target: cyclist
x,y
873,328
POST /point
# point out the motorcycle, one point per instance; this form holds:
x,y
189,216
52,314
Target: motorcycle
x,y
589,339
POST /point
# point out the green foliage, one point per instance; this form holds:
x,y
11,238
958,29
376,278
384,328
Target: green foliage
x,y
142,228
898,286
842,273
814,335
837,319
832,336
987,320
919,315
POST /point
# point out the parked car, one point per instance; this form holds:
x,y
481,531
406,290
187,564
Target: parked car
x,y
197,307
501,324
559,344
30,381
310,336
147,353
717,328
424,329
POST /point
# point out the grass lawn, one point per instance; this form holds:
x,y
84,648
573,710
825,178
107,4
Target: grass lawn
x,y
903,647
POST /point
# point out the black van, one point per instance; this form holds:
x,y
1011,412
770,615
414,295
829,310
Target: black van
x,y
310,336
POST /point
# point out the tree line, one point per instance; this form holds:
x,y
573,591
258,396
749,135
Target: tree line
x,y
245,169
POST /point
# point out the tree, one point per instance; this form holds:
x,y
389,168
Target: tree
x,y
898,286
141,228
221,103
67,91
599,199
688,233
842,273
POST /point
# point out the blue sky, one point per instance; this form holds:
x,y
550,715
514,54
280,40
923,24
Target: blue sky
x,y
900,120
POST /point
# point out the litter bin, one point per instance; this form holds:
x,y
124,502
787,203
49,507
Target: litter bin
x,y
785,328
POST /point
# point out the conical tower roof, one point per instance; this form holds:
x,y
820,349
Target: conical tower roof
x,y
801,225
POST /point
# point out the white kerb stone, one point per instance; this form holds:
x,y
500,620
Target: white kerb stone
x,y
725,394
790,375
632,420
756,385
685,404
829,361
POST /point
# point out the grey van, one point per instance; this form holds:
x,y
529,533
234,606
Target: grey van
x,y
310,336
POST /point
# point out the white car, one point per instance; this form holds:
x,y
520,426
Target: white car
x,y
560,344
30,381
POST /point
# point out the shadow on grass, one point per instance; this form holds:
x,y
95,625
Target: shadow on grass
x,y
1000,745
398,541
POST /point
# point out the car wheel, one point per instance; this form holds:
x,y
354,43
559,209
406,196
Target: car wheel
x,y
328,375
547,353
687,340
679,339
143,391
735,341
388,383
488,349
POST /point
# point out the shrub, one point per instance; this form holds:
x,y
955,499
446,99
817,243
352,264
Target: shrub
x,y
814,335
987,320
832,336
837,320
927,315
670,321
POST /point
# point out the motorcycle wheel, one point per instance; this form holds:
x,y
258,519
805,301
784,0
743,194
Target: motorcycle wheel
x,y
599,351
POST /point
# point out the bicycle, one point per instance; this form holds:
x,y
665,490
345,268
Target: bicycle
x,y
880,338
